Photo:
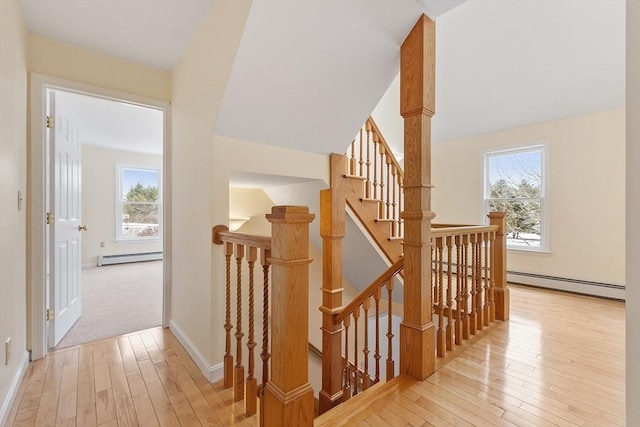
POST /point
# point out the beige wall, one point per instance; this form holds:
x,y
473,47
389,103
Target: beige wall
x,y
57,59
585,192
99,200
633,213
13,178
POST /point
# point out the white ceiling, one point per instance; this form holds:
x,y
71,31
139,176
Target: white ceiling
x,y
116,125
151,32
307,73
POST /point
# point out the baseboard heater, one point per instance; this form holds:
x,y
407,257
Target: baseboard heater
x,y
124,258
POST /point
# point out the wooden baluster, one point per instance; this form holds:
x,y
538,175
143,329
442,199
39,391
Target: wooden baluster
x,y
361,159
473,320
382,203
400,205
478,284
394,216
356,316
346,388
376,355
485,281
352,160
252,382
367,189
366,380
465,288
459,278
389,185
449,243
391,371
238,389
440,342
375,165
264,355
228,358
492,303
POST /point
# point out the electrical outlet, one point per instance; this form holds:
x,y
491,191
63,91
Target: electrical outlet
x,y
7,351
102,244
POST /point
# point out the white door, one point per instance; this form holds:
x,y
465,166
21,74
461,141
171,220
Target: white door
x,y
65,204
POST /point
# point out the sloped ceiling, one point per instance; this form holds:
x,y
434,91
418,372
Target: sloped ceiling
x,y
308,73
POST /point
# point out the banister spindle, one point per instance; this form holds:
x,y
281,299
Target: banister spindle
x,y
346,388
367,188
478,284
366,380
352,160
459,278
265,355
485,281
228,357
361,159
389,185
238,389
375,165
449,243
391,372
356,316
474,293
394,216
252,382
376,354
465,287
440,344
381,205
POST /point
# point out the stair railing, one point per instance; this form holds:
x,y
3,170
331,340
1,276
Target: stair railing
x,y
370,158
286,397
468,277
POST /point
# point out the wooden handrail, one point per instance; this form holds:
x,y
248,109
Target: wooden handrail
x,y
387,149
221,234
388,274
465,229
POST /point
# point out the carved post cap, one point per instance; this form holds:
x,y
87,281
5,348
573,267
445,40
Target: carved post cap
x,y
497,215
290,214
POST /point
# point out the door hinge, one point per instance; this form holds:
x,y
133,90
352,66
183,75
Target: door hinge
x,y
50,314
51,122
50,218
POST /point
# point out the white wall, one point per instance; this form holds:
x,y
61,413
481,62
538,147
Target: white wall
x,y
13,178
99,183
633,213
585,193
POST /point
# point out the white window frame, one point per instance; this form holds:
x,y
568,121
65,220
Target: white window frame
x,y
545,244
120,167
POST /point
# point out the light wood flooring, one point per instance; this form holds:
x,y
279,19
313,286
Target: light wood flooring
x,y
558,361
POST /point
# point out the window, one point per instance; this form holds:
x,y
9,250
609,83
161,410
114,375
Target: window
x,y
138,203
515,183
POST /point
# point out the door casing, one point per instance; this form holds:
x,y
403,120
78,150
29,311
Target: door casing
x,y
37,204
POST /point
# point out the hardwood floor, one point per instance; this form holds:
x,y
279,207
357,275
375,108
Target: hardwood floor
x,y
558,361
144,378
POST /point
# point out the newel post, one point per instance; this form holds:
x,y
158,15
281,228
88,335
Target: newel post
x,y
417,106
288,394
500,265
332,230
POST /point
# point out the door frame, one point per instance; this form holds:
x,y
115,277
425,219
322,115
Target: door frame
x,y
37,203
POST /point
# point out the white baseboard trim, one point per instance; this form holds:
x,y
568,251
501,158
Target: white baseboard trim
x,y
13,390
212,373
599,289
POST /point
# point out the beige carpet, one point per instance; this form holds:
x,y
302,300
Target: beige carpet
x,y
117,299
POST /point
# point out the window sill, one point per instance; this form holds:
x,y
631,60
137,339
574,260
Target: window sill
x,y
139,241
543,252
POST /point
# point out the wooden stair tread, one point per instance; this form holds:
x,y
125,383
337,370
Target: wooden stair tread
x,y
385,220
366,403
358,177
363,199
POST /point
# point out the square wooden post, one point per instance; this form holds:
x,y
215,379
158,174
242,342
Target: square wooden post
x,y
417,106
332,230
288,394
501,292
